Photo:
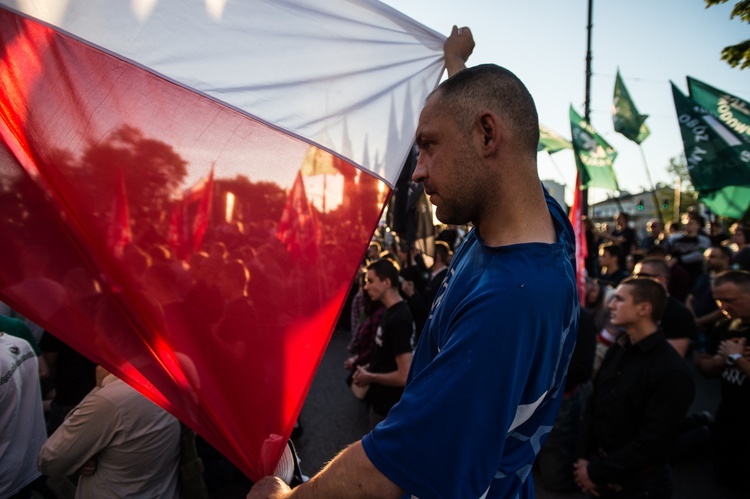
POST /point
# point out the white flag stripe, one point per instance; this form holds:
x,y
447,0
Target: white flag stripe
x,y
273,61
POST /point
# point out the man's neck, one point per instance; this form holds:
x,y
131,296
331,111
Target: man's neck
x,y
391,298
519,216
640,331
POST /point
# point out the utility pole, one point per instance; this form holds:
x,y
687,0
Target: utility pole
x,y
587,98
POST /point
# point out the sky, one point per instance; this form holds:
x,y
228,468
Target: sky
x,y
651,41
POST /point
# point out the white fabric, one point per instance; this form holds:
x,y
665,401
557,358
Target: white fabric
x,y
347,75
22,431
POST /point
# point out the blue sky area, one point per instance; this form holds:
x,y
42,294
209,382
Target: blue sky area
x,y
652,42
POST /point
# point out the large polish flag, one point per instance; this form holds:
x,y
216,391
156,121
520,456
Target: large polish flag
x,y
129,103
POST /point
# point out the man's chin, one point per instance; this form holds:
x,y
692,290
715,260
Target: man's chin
x,y
449,218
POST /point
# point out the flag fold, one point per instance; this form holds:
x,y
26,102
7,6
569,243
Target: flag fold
x,y
594,156
150,153
625,116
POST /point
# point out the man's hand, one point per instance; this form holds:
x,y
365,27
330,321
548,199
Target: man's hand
x,y
729,347
362,377
581,476
270,487
349,363
457,49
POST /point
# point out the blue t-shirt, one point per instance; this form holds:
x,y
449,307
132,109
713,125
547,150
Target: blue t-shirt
x,y
488,374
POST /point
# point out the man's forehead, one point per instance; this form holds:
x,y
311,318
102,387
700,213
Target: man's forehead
x,y
623,291
729,291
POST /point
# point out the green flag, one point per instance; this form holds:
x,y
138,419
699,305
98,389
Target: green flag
x,y
732,202
625,116
731,110
718,160
551,142
594,157
734,112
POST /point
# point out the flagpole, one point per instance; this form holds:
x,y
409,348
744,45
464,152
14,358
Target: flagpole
x,y
651,183
587,97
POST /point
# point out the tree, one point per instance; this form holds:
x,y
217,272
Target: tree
x,y
739,54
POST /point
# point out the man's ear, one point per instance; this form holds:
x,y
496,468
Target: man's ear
x,y
645,309
490,130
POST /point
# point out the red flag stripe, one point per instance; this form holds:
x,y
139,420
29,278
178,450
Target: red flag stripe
x,y
233,359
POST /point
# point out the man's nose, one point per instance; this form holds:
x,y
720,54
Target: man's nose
x,y
420,172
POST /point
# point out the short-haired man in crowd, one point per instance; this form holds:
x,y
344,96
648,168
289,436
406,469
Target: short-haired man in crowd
x,y
640,394
391,353
728,357
701,301
420,302
677,321
488,373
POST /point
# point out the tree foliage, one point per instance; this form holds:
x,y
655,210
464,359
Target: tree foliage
x,y
739,54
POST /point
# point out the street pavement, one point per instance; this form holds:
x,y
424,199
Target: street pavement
x,y
332,418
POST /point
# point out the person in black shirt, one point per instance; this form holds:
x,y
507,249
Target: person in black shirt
x,y
623,235
612,260
727,357
641,392
391,354
420,302
677,321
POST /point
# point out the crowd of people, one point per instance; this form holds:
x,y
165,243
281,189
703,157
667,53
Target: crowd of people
x,y
625,414
476,360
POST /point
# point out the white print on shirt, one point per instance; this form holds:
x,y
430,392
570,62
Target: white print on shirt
x,y
733,376
379,337
441,293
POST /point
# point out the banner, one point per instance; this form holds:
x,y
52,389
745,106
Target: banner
x,y
594,156
232,97
716,158
625,116
552,142
729,109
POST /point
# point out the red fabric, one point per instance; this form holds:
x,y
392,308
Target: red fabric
x,y
298,229
576,214
236,367
119,234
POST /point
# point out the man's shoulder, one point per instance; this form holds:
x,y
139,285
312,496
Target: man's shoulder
x,y
397,313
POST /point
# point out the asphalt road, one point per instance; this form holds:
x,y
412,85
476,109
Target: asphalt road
x,y
332,418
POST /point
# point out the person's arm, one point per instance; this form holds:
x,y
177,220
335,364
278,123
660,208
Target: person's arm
x,y
710,365
394,378
89,429
582,479
457,49
709,319
732,347
350,474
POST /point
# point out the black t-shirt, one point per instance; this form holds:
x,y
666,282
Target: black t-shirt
x,y
394,337
629,242
677,321
735,387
